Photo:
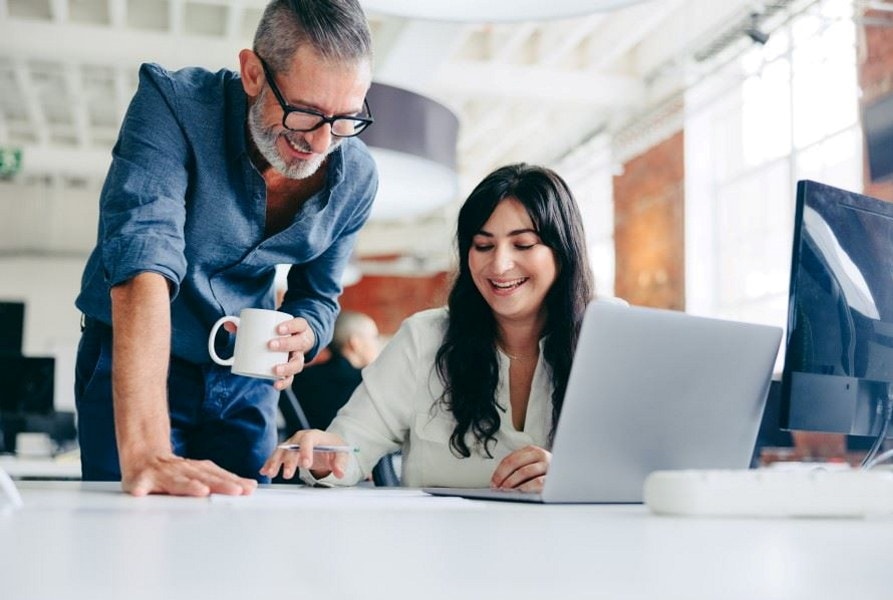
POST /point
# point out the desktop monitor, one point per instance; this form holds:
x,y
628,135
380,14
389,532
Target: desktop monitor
x,y
838,371
26,386
26,397
12,325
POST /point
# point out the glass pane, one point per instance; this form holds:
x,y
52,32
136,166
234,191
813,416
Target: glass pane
x,y
824,84
836,161
766,122
793,115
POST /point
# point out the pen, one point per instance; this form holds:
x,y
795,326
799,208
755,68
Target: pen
x,y
320,448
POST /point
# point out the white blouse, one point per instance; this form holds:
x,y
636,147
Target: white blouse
x,y
397,408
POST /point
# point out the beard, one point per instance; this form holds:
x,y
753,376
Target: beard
x,y
265,139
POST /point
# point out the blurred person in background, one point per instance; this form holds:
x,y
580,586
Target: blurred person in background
x,y
323,388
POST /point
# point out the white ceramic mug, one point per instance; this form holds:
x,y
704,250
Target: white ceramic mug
x,y
252,356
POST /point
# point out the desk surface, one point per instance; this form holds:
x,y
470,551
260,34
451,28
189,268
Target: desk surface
x,y
77,540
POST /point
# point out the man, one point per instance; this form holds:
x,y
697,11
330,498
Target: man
x,y
324,388
216,178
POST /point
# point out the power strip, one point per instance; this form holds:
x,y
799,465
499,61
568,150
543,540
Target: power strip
x,y
814,492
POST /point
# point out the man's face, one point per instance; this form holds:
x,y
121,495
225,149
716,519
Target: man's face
x,y
330,88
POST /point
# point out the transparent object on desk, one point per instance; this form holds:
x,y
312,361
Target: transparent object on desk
x,y
9,495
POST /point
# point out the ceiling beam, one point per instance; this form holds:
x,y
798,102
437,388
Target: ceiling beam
x,y
118,13
486,127
77,104
685,29
526,128
123,93
123,48
175,16
537,84
235,14
260,4
59,11
532,136
559,41
624,31
80,163
507,43
31,101
418,52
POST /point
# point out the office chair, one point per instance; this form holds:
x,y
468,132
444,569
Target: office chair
x,y
384,474
294,416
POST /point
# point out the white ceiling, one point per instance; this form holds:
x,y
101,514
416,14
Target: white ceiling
x,y
530,91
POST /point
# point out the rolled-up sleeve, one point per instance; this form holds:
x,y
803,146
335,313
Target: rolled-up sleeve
x,y
143,200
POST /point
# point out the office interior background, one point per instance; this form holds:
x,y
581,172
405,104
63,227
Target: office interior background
x,y
681,125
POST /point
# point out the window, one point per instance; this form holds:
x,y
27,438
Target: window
x,y
779,113
588,172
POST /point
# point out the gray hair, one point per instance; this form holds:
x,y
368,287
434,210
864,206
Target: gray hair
x,y
337,30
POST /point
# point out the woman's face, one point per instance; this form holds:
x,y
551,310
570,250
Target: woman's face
x,y
510,265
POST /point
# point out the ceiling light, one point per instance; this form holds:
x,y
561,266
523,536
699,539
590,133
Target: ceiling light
x,y
413,142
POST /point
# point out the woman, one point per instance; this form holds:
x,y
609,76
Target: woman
x,y
471,392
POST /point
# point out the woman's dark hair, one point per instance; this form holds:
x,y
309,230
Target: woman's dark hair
x,y
467,362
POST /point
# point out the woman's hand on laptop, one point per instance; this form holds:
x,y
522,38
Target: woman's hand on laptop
x,y
318,451
523,469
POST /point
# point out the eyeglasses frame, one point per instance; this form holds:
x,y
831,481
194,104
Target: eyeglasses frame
x,y
287,109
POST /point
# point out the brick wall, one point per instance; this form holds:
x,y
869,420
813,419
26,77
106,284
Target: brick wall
x,y
649,197
389,300
649,233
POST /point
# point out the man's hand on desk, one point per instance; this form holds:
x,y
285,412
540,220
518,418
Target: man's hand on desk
x,y
179,476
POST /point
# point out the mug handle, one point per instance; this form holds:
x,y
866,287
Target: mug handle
x,y
226,362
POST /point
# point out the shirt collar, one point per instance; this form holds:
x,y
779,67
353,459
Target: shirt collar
x,y
236,119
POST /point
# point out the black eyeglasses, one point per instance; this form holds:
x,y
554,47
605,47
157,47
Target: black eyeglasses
x,y
304,119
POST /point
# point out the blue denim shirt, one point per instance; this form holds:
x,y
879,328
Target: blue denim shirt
x,y
183,199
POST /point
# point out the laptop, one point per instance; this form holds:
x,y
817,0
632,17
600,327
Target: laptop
x,y
652,389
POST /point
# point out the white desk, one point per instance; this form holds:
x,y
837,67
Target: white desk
x,y
72,541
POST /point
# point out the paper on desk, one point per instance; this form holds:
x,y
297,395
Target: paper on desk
x,y
353,497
